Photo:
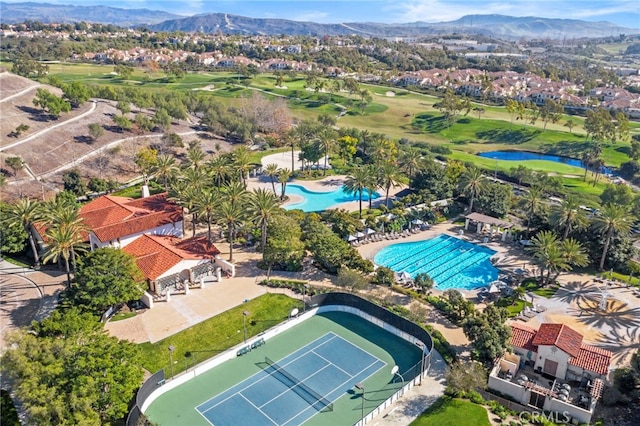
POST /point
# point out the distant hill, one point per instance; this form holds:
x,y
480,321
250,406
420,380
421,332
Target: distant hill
x,y
500,26
11,13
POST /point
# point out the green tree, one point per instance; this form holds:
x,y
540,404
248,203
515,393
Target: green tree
x,y
25,213
76,93
384,276
73,182
165,168
612,219
390,176
96,130
271,171
551,111
353,280
532,203
356,183
617,194
145,159
82,377
570,124
13,239
106,277
284,249
568,216
423,281
495,200
263,205
15,164
283,177
554,256
472,183
51,103
488,333
123,71
231,216
465,377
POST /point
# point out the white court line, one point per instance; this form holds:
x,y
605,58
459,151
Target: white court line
x,y
258,408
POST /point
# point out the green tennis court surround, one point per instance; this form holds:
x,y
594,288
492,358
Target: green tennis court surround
x,y
320,356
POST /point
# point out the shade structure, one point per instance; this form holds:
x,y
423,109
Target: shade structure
x,y
359,234
417,222
369,231
494,289
404,276
351,238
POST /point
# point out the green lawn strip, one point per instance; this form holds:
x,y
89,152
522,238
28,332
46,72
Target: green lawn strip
x,y
453,412
531,286
122,316
217,334
8,412
256,156
514,308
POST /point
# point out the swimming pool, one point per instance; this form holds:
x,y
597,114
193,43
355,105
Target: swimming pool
x,y
318,201
449,261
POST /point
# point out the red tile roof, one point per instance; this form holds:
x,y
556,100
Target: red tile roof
x,y
559,335
112,217
156,254
522,337
592,358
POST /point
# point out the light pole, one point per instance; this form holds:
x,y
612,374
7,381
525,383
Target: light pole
x,y
244,324
395,372
360,387
171,349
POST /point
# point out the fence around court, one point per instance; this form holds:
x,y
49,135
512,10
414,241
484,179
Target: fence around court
x,y
156,385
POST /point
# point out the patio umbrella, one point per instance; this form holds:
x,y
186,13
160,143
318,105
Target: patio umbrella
x,y
369,231
404,276
494,289
351,238
417,222
359,234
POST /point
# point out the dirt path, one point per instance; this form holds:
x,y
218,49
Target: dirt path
x,y
22,92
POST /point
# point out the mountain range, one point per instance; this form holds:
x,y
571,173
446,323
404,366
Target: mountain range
x,y
499,26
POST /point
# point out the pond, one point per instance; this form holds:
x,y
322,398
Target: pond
x,y
526,155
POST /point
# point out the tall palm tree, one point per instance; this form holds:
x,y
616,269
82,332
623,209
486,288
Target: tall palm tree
x,y
472,184
206,205
612,219
327,139
219,169
232,217
234,193
242,163
62,243
25,213
532,202
409,161
165,168
372,183
64,216
283,177
547,254
271,171
389,175
567,215
357,183
195,156
263,205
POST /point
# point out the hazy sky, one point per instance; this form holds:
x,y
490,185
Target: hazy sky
x,y
621,12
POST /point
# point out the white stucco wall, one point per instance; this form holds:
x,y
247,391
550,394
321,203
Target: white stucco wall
x,y
562,358
174,229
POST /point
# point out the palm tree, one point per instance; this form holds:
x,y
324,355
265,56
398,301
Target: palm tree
x,y
165,168
567,215
65,216
574,253
327,140
195,155
219,169
231,216
612,218
234,193
372,183
262,206
472,183
271,170
25,213
357,183
62,243
547,255
283,178
532,203
206,205
242,163
389,175
409,161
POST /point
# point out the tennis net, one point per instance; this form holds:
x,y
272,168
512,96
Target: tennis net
x,y
312,397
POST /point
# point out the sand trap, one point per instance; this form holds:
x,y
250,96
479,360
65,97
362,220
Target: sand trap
x,y
281,87
208,88
390,93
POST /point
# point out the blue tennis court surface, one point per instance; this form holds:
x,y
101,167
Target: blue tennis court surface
x,y
326,369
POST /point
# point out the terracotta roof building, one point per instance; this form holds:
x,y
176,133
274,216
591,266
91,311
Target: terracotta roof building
x,y
117,221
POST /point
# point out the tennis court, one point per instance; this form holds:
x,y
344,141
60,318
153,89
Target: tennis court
x,y
296,387
310,381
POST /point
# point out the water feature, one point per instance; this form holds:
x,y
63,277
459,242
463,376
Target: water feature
x,y
449,261
526,155
318,201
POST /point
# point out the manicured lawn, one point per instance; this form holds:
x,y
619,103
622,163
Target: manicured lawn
x,y
513,308
532,286
122,316
453,412
217,334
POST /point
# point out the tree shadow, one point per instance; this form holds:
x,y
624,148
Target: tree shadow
x,y
622,343
508,136
429,123
84,139
575,292
616,316
568,148
36,114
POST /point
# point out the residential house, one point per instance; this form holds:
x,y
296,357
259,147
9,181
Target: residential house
x,y
552,369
